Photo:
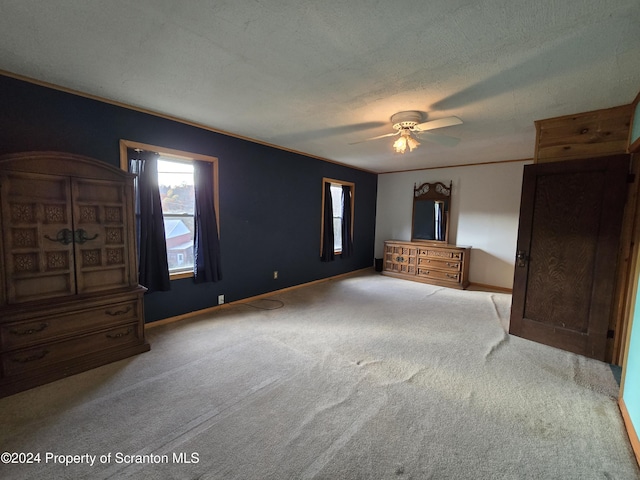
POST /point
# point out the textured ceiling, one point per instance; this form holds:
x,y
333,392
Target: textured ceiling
x,y
315,76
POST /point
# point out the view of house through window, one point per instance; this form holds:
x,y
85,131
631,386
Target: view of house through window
x,y
175,179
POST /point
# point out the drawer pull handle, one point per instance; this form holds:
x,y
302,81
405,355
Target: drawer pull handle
x,y
449,275
32,358
399,259
29,331
452,265
118,335
115,313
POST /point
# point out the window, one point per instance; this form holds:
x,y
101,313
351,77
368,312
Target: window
x,y
341,218
336,201
175,180
176,185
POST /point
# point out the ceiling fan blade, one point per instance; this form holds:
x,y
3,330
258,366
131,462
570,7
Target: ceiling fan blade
x,y
440,123
375,138
440,139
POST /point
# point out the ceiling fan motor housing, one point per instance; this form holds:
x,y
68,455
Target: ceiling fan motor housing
x,y
406,120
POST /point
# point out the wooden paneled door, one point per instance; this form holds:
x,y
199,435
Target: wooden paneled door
x,y
568,240
101,246
38,236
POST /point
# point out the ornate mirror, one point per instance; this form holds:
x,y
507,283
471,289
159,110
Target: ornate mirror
x,y
431,203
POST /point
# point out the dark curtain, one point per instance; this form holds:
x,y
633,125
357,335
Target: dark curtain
x,y
206,249
327,235
347,241
153,270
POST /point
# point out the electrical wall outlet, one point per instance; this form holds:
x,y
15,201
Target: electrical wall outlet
x,y
220,299
275,274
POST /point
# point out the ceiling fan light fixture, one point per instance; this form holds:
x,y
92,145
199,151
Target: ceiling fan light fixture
x,y
409,124
412,142
400,145
405,140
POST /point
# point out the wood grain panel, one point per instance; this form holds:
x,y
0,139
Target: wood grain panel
x,y
590,134
568,241
566,216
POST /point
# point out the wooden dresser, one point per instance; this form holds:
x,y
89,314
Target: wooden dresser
x,y
438,264
69,293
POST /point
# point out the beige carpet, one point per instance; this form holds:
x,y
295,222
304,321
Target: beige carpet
x,y
366,377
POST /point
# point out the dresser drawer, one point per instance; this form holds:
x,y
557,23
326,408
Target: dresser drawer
x,y
25,360
440,253
453,277
30,332
452,264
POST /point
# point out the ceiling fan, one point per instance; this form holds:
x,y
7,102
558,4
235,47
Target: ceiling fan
x,y
410,127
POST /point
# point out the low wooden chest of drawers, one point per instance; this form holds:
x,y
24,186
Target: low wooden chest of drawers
x,y
438,264
71,338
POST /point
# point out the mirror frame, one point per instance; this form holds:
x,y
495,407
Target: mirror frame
x,y
438,192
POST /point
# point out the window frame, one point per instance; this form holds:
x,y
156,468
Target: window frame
x,y
342,183
180,155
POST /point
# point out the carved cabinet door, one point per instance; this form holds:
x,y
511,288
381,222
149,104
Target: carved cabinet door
x,y
62,236
568,240
101,242
37,231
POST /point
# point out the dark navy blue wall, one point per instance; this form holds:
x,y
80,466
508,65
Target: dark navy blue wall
x,y
270,199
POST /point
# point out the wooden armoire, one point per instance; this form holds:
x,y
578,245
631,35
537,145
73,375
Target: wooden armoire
x,y
69,293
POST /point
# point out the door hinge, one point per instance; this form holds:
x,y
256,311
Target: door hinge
x,y
610,333
631,178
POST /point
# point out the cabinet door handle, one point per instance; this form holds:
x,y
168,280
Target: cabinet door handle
x,y
32,358
29,331
399,259
64,236
118,335
115,313
80,236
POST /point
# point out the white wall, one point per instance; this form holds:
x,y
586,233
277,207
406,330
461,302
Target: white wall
x,y
485,209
